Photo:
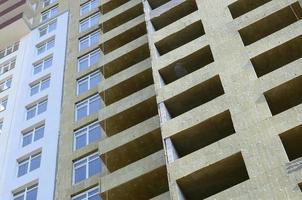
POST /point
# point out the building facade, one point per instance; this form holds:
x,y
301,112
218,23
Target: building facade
x,y
151,99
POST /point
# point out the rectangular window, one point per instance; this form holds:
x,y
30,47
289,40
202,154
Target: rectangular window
x,y
33,135
1,126
50,27
29,164
87,135
89,6
41,48
48,14
29,193
89,40
3,104
6,84
89,22
40,86
91,194
7,66
86,83
88,107
36,109
88,60
48,2
86,167
43,65
8,50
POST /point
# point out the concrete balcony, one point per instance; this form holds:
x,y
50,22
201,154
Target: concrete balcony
x,y
14,21
144,179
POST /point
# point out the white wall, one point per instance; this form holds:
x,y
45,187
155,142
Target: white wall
x,y
45,175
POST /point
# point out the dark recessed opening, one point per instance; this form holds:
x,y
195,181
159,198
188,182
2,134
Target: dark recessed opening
x,y
240,7
203,134
182,37
174,14
195,96
278,56
292,140
156,3
214,178
111,5
285,96
271,24
187,65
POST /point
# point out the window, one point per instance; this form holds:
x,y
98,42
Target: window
x,y
51,12
6,84
29,164
86,83
89,22
87,135
88,60
1,126
36,109
40,86
86,167
89,40
7,66
87,107
29,193
41,48
43,65
92,194
48,28
48,2
3,104
32,135
87,7
9,50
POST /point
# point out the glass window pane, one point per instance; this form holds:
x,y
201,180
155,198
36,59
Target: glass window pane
x,y
47,63
19,197
94,57
94,167
94,80
81,141
32,194
84,43
50,44
94,106
94,20
83,64
22,169
45,84
82,86
31,113
8,83
27,139
37,68
54,11
85,9
43,31
80,174
42,107
95,38
52,26
94,4
84,25
94,134
34,90
95,197
82,197
41,49
39,133
81,112
35,163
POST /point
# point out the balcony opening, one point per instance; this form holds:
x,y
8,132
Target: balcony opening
x,y
187,65
194,97
241,7
124,38
214,178
300,186
180,38
173,14
122,18
130,117
125,61
157,3
133,151
128,87
292,140
278,57
271,24
111,5
203,134
284,96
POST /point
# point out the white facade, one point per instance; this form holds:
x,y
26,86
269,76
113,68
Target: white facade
x,y
15,123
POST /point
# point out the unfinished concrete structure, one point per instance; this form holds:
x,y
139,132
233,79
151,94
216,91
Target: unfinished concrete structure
x,y
199,99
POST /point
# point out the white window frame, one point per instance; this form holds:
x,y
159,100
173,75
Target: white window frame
x,y
88,79
87,57
7,66
33,133
39,85
88,19
6,84
86,164
86,193
48,2
47,45
88,37
47,29
85,131
89,4
36,107
49,13
25,191
3,104
42,65
86,102
8,50
28,160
